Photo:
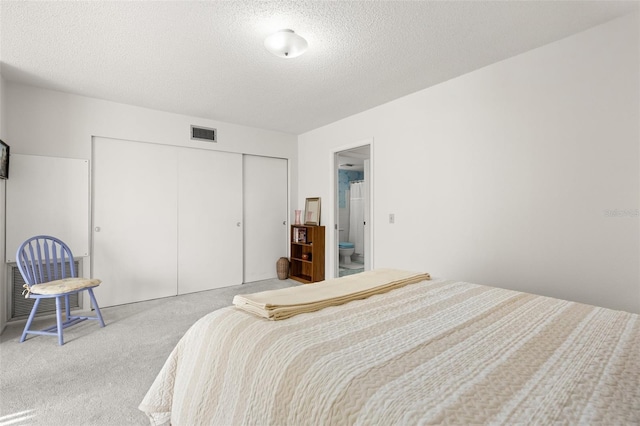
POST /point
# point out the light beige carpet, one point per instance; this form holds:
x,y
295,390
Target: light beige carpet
x,y
100,375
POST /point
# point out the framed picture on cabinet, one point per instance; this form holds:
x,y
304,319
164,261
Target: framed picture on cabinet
x,y
312,211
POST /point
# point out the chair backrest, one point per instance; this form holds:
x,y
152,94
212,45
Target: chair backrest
x,y
44,258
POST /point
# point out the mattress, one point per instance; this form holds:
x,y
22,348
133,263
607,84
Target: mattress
x,y
437,351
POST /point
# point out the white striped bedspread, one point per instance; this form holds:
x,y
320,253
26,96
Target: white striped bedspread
x,y
433,352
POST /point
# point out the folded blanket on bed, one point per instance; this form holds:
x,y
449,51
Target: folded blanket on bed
x,y
287,302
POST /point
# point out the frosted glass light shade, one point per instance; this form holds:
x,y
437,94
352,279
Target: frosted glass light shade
x,y
286,44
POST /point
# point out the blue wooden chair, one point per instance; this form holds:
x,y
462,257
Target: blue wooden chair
x,y
47,267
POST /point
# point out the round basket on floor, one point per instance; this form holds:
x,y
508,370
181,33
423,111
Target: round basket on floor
x,y
282,267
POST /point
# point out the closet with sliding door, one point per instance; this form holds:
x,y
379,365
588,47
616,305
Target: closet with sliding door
x,y
170,220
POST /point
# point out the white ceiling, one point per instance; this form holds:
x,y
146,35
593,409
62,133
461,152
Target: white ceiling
x,y
354,157
207,59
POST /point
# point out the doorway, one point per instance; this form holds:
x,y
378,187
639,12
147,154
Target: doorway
x,y
352,195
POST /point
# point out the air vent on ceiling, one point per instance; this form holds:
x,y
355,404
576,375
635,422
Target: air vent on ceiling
x,y
204,134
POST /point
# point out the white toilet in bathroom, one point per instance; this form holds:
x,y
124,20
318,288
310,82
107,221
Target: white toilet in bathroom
x,y
346,249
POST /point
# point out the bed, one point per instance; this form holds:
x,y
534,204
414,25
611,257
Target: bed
x,y
435,351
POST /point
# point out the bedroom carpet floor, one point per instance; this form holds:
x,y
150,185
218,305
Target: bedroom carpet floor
x,y
100,375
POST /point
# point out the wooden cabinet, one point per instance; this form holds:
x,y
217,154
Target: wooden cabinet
x,y
307,253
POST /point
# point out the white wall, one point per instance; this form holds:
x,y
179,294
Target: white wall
x,y
503,176
50,123
3,269
44,122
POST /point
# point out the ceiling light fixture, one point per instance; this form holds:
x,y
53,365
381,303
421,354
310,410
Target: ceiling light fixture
x,y
286,44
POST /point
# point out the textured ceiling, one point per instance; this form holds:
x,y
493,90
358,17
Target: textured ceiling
x,y
207,59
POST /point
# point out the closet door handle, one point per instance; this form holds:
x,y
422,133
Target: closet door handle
x,y
238,224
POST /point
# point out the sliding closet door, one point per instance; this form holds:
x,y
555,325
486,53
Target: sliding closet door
x,y
135,221
209,220
265,216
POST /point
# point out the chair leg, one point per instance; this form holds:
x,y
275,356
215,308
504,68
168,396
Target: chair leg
x,y
59,320
31,316
67,307
95,305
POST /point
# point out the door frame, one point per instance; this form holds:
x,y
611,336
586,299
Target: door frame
x,y
333,254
